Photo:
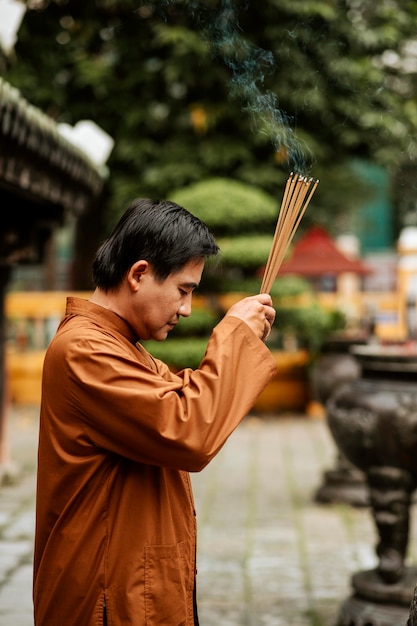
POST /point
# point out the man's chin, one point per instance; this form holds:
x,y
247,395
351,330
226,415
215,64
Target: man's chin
x,y
161,336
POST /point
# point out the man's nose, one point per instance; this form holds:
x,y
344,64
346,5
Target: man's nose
x,y
185,308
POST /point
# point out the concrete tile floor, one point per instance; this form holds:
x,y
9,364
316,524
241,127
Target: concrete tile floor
x,y
268,554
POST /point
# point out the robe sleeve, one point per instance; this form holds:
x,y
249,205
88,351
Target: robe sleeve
x,y
137,408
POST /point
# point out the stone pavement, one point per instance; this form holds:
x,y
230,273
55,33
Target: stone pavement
x,y
268,554
17,522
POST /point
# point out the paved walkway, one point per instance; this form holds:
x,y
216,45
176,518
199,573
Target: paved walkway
x,y
268,554
17,523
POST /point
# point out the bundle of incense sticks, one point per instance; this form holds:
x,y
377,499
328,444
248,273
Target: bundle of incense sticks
x,y
297,195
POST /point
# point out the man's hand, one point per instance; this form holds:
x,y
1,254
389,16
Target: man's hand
x,y
257,312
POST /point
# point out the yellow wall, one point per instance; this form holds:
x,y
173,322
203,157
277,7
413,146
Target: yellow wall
x,y
34,316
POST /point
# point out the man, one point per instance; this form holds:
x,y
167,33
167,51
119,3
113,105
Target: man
x,y
115,526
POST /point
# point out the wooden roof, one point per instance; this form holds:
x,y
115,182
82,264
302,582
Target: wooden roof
x,y
42,176
36,159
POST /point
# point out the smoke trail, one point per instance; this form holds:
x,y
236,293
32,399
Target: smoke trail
x,y
248,65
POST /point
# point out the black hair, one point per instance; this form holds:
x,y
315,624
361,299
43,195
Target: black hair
x,y
158,231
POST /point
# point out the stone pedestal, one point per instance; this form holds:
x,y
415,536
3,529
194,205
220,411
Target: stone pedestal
x,y
374,423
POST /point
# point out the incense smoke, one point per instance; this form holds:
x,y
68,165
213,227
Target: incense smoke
x,y
248,65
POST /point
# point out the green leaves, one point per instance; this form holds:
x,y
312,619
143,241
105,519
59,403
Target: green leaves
x,y
310,324
178,353
247,252
160,84
228,206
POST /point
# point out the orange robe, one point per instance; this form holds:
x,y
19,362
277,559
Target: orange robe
x,y
119,432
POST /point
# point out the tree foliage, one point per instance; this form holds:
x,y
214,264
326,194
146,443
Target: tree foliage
x,y
193,90
229,207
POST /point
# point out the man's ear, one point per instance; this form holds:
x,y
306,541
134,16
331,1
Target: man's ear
x,y
134,275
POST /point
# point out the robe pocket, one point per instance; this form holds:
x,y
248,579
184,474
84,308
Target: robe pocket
x,y
165,585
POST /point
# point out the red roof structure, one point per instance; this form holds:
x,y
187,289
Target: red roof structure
x,y
316,254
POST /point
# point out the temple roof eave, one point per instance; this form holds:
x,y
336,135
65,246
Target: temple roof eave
x,y
38,162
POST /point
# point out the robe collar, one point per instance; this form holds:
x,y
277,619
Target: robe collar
x,y
79,306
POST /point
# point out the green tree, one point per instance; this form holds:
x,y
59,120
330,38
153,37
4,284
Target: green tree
x,y
243,219
193,90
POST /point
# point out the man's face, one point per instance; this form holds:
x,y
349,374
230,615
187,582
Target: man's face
x,y
157,306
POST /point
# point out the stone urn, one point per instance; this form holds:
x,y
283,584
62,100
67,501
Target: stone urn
x,y
343,483
374,423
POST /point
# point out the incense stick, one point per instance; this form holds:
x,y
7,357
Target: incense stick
x,y
297,195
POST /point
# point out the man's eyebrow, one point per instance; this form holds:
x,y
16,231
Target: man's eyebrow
x,y
190,285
